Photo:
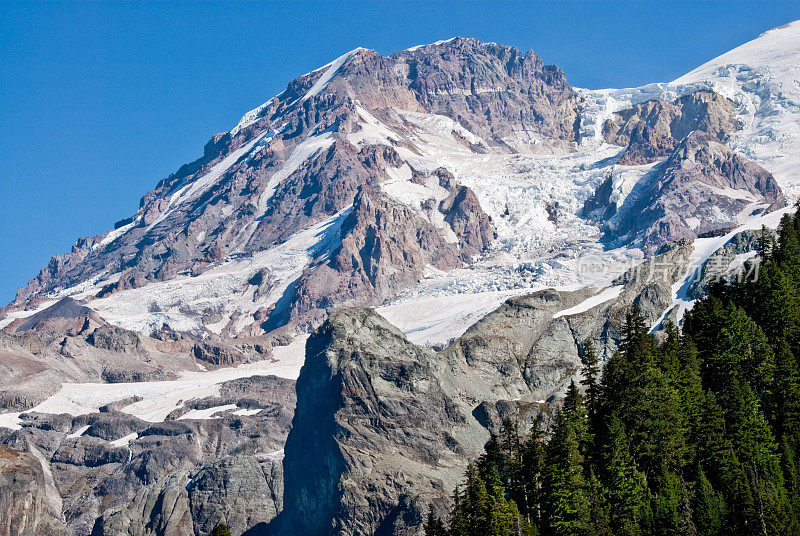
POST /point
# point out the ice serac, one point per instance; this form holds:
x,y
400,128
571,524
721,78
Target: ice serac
x,y
702,187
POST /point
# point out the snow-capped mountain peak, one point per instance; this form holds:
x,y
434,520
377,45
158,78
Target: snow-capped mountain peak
x,y
492,152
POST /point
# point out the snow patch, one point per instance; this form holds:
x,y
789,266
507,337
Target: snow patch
x,y
124,441
328,75
611,293
79,432
208,413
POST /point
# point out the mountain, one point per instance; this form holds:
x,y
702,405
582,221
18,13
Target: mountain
x,y
422,242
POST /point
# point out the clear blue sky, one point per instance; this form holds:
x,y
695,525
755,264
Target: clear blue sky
x,y
98,101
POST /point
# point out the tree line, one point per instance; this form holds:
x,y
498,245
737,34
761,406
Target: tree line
x,y
699,435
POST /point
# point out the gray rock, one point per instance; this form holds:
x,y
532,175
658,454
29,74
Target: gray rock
x,y
23,505
66,314
234,491
114,339
372,424
719,267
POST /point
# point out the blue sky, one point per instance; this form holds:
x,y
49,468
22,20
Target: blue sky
x,y
99,101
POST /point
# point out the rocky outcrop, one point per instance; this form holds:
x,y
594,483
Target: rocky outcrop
x,y
701,188
115,339
119,475
652,130
217,354
372,433
23,497
494,90
65,315
320,187
238,491
385,247
473,227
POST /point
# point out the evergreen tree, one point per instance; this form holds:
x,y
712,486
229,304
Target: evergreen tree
x,y
766,244
709,507
533,463
627,491
221,529
565,501
434,525
459,520
591,382
598,505
671,514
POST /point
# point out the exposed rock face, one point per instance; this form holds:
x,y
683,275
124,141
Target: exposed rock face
x,y
155,510
217,354
652,130
66,315
373,430
321,187
385,247
178,477
702,187
238,491
23,497
473,227
492,89
114,339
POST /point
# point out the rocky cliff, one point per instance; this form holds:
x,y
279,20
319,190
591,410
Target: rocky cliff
x,y
701,188
383,426
652,129
26,508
